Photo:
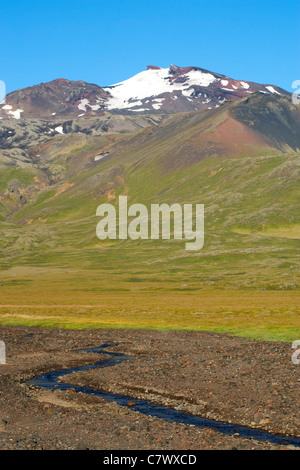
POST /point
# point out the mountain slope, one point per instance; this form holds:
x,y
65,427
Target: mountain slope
x,y
250,189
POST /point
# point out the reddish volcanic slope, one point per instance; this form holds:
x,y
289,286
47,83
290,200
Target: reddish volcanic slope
x,y
221,136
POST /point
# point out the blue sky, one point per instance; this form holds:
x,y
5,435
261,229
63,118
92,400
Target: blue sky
x,y
105,42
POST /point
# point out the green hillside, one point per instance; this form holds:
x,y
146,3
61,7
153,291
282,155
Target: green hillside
x,y
248,183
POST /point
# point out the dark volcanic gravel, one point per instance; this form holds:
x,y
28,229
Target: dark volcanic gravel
x,y
216,376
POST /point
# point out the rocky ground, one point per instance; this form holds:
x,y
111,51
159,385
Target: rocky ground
x,y
212,375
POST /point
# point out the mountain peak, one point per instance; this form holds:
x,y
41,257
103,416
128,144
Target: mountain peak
x,y
153,67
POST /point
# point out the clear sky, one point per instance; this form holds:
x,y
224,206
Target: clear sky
x,y
105,42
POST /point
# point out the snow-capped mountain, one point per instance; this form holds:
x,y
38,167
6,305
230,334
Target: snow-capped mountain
x,y
178,89
153,91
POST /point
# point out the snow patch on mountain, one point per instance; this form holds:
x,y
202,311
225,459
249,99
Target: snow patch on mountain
x,y
16,114
272,90
245,85
153,82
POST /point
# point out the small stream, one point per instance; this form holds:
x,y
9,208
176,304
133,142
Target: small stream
x,y
49,380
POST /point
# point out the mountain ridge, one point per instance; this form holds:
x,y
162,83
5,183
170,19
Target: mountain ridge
x,y
156,90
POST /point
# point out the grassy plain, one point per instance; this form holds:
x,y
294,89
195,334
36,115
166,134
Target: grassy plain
x,y
63,299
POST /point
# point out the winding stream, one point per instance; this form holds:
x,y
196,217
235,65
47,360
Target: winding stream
x,y
49,380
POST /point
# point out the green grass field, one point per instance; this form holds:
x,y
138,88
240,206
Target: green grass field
x,y
62,299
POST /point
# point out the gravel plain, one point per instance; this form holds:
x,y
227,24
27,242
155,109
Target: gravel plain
x,y
216,376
